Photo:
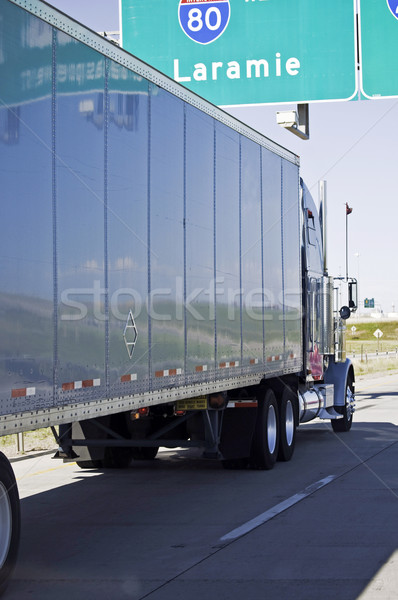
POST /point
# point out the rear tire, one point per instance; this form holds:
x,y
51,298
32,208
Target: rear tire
x,y
266,433
234,464
144,453
117,457
288,425
10,522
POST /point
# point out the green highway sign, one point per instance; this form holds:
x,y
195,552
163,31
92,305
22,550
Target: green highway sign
x,y
379,48
243,52
78,70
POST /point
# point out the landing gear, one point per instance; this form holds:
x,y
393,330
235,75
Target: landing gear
x,y
10,522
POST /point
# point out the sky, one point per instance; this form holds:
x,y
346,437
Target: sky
x,y
353,146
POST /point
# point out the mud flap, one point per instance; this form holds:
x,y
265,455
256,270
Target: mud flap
x,y
237,432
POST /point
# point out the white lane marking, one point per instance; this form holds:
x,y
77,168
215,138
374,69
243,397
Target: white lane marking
x,y
276,510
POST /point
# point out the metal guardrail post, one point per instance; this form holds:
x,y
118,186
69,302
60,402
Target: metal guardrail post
x,y
20,442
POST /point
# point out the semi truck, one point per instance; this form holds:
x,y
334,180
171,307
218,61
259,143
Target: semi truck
x,y
164,278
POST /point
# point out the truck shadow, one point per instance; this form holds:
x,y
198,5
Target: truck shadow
x,y
123,534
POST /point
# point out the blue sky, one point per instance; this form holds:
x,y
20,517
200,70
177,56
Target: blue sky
x,y
353,145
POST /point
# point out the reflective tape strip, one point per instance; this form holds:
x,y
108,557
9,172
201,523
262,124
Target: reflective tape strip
x,y
168,373
227,365
254,361
252,404
130,377
201,368
274,358
23,392
78,385
279,357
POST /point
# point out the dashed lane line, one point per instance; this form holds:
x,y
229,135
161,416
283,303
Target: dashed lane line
x,y
276,510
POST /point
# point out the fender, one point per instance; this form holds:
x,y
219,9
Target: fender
x,y
337,374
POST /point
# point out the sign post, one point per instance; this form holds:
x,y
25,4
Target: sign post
x,y
245,52
378,334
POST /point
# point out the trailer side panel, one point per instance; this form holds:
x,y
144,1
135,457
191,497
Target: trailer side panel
x,y
150,245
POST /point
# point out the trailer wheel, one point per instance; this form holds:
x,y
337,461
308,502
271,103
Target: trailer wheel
x,y
10,522
288,425
235,463
266,433
344,424
117,458
145,452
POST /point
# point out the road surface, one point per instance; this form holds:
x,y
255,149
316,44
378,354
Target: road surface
x,y
323,526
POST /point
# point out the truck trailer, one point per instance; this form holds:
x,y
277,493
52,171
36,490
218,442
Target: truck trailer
x,y
164,280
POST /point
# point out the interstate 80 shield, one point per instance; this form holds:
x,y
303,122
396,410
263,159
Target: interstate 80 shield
x,y
393,6
204,20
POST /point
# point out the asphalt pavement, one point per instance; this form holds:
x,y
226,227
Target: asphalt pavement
x,y
322,526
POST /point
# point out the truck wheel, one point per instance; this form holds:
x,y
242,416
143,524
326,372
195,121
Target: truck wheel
x,y
288,424
117,458
235,463
344,424
145,453
266,433
10,521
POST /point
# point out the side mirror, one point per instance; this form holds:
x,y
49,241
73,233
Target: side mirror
x,y
353,294
345,312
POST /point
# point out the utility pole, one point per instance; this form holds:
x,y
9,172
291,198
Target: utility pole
x,y
348,211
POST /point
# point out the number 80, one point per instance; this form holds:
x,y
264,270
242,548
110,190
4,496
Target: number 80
x,y
195,19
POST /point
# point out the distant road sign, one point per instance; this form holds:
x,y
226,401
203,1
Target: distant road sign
x,y
378,333
379,48
243,52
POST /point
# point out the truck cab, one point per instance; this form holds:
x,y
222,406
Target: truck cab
x,y
325,315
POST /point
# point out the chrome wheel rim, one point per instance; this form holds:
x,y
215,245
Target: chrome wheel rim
x,y
271,429
349,401
289,423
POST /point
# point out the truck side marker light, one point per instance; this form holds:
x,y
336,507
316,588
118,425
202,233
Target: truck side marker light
x,y
78,385
129,377
168,373
227,365
23,392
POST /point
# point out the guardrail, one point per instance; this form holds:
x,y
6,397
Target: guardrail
x,y
364,356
